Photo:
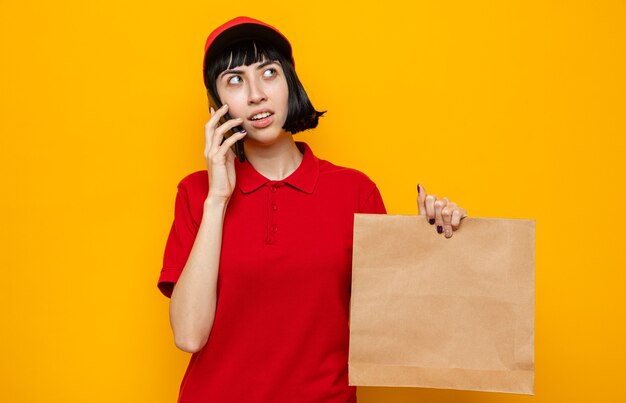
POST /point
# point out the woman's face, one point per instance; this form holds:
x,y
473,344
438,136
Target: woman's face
x,y
258,94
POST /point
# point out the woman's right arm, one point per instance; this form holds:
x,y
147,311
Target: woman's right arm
x,y
194,298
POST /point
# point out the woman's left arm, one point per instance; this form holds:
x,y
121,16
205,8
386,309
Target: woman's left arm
x,y
446,214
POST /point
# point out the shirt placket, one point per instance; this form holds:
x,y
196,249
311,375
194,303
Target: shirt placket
x,y
273,210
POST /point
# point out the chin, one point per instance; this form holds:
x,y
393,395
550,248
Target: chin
x,y
261,141
265,137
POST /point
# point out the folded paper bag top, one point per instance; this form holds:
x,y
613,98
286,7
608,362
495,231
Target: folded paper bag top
x,y
432,312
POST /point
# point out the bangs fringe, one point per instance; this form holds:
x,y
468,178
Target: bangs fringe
x,y
242,54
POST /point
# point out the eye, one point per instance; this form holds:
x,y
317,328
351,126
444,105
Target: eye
x,y
271,72
234,80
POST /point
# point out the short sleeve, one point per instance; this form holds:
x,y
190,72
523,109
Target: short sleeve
x,y
179,243
373,203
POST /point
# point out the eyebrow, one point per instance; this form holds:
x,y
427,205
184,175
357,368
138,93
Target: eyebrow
x,y
259,67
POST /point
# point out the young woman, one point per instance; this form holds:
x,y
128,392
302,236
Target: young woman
x,y
258,260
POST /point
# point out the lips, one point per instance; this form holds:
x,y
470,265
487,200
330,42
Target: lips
x,y
260,112
261,123
261,118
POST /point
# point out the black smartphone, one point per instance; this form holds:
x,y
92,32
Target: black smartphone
x,y
238,146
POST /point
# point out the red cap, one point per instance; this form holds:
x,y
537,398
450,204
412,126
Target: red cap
x,y
243,28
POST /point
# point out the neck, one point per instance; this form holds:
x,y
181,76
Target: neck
x,y
276,161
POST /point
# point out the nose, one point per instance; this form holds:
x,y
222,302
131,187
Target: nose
x,y
256,94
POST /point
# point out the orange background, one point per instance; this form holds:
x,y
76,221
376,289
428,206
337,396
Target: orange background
x,y
512,109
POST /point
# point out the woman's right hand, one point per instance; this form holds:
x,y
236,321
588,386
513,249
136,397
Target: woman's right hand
x,y
220,159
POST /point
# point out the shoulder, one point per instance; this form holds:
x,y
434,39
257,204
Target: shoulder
x,y
350,185
344,175
194,182
193,190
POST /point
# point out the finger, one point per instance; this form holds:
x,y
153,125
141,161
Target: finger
x,y
439,205
209,130
224,152
221,132
446,214
457,216
223,129
229,142
421,200
430,208
211,125
216,115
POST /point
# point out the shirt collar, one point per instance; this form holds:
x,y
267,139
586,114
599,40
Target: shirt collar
x,y
303,178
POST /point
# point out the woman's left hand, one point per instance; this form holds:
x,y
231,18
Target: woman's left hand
x,y
446,214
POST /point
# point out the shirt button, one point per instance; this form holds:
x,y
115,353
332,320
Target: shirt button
x,y
274,207
274,228
274,188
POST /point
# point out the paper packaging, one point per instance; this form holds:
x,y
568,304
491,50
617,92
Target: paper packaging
x,y
432,312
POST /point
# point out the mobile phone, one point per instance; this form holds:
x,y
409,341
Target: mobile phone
x,y
238,146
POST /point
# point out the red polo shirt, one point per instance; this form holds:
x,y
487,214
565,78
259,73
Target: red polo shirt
x,y
280,332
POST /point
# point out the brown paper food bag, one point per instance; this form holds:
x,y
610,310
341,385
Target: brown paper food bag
x,y
432,312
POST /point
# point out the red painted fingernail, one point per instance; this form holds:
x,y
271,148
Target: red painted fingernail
x,y
439,229
418,188
431,221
